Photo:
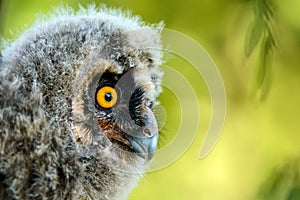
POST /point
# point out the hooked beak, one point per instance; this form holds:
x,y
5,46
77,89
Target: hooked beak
x,y
141,139
145,143
144,146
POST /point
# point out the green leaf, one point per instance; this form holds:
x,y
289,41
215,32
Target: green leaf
x,y
271,35
262,35
263,64
294,194
253,37
282,184
263,76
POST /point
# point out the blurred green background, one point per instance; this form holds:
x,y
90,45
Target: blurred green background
x,y
257,156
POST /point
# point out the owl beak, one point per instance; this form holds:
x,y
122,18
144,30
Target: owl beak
x,y
144,146
145,143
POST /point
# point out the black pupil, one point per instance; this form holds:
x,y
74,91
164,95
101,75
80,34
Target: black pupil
x,y
108,97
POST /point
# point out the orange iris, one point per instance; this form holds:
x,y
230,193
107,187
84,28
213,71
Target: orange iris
x,y
107,97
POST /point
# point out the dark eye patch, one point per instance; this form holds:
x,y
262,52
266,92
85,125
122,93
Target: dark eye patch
x,y
136,101
109,79
128,94
122,83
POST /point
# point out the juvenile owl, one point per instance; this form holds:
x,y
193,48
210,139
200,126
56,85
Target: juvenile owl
x,y
77,93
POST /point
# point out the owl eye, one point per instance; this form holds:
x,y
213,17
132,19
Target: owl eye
x,y
106,97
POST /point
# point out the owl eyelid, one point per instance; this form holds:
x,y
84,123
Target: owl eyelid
x,y
109,79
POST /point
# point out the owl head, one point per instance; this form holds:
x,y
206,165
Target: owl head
x,y
115,91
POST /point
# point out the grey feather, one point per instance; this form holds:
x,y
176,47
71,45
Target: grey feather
x,y
46,106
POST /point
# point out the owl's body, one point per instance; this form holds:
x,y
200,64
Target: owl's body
x,y
56,140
